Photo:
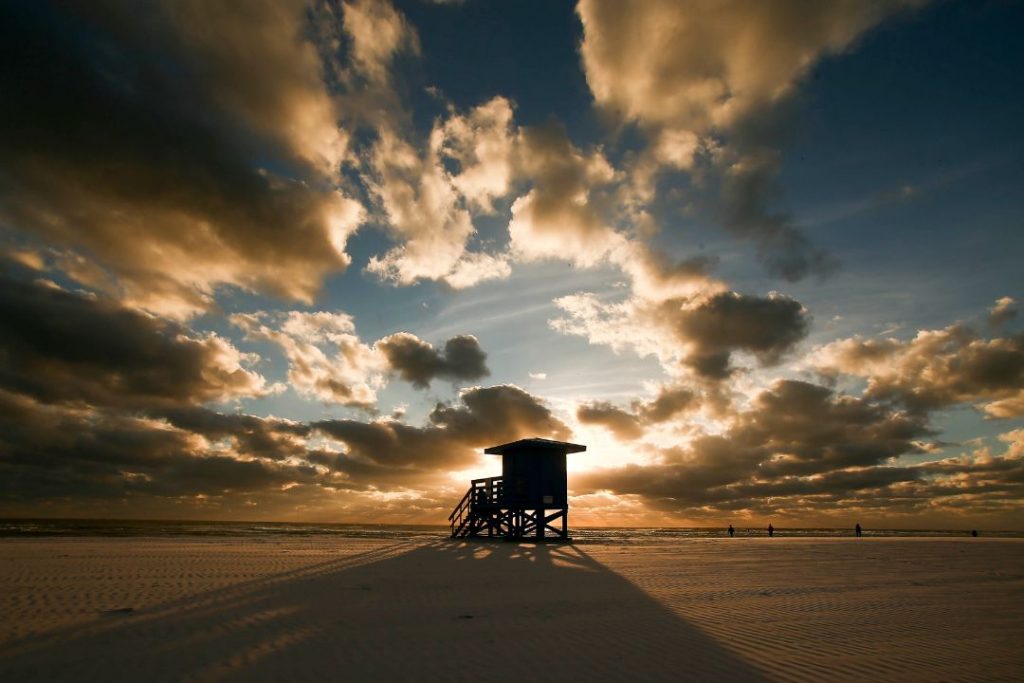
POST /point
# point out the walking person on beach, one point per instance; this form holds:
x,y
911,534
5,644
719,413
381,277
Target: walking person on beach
x,y
771,530
857,529
732,532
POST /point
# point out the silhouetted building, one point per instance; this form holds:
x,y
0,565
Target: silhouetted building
x,y
529,500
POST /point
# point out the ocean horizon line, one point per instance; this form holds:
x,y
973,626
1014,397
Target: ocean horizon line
x,y
130,527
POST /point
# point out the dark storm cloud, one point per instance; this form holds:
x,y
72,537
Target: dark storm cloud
x,y
60,346
766,327
418,362
386,450
141,135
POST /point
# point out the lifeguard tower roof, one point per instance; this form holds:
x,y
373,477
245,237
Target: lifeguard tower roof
x,y
535,443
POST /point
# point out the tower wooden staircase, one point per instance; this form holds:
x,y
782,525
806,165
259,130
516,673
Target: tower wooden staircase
x,y
479,510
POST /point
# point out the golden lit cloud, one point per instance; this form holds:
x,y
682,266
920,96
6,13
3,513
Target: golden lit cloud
x,y
174,200
935,369
694,67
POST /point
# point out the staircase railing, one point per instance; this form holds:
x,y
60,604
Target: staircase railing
x,y
482,492
458,518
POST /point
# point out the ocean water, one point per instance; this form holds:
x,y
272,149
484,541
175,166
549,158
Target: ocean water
x,y
170,528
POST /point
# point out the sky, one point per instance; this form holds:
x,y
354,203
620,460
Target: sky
x,y
305,261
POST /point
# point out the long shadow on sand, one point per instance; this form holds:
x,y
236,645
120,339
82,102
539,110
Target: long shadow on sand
x,y
445,611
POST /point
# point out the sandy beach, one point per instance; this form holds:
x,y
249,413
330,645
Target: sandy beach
x,y
793,609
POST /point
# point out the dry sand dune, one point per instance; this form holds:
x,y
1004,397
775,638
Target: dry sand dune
x,y
346,609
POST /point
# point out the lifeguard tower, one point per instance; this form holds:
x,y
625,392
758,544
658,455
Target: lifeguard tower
x,y
528,501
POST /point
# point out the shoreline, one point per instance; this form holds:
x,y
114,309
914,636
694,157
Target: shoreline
x,y
115,528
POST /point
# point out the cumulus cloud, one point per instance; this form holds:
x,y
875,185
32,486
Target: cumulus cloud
x,y
423,211
482,144
136,144
427,214
654,277
622,423
121,416
425,188
799,450
418,362
694,66
1004,310
702,334
767,327
562,214
701,80
630,424
244,436
429,194
64,458
475,267
288,100
116,419
66,347
936,369
499,413
326,359
387,451
377,33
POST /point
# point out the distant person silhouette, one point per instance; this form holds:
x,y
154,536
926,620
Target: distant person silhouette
x,y
771,530
732,532
974,533
857,529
